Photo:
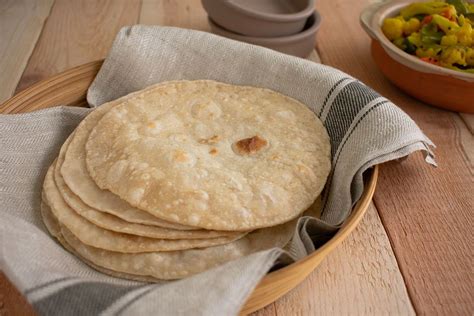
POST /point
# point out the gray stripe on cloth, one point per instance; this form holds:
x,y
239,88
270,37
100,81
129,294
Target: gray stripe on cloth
x,y
47,284
330,93
349,132
122,303
52,289
348,103
379,127
86,298
356,121
354,125
333,96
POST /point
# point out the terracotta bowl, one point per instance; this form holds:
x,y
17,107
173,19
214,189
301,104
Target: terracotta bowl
x,y
441,87
300,45
260,18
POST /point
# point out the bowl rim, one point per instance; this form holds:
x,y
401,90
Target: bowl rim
x,y
274,17
315,20
371,20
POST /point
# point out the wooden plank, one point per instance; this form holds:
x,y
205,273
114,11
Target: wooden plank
x,y
361,277
21,22
465,138
427,212
77,32
184,13
468,120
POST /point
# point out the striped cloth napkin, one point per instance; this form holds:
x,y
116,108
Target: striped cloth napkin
x,y
365,129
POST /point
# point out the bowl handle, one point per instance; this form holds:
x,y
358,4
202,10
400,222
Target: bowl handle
x,y
367,16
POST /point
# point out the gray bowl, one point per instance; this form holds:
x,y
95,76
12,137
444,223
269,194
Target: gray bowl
x,y
260,18
300,45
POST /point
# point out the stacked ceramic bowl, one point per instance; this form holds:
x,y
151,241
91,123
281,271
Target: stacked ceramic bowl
x,y
288,26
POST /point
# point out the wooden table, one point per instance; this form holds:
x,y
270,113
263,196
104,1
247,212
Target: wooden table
x,y
413,250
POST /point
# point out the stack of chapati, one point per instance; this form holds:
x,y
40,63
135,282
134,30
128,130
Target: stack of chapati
x,y
185,175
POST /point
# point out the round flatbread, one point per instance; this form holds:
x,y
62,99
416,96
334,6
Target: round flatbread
x,y
211,155
49,220
113,223
184,263
153,267
77,178
52,225
95,236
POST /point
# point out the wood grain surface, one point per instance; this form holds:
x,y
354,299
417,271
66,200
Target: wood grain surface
x,y
468,120
465,139
361,277
427,212
77,32
425,240
21,22
184,13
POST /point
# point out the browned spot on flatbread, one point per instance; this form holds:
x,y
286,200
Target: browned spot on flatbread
x,y
250,146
